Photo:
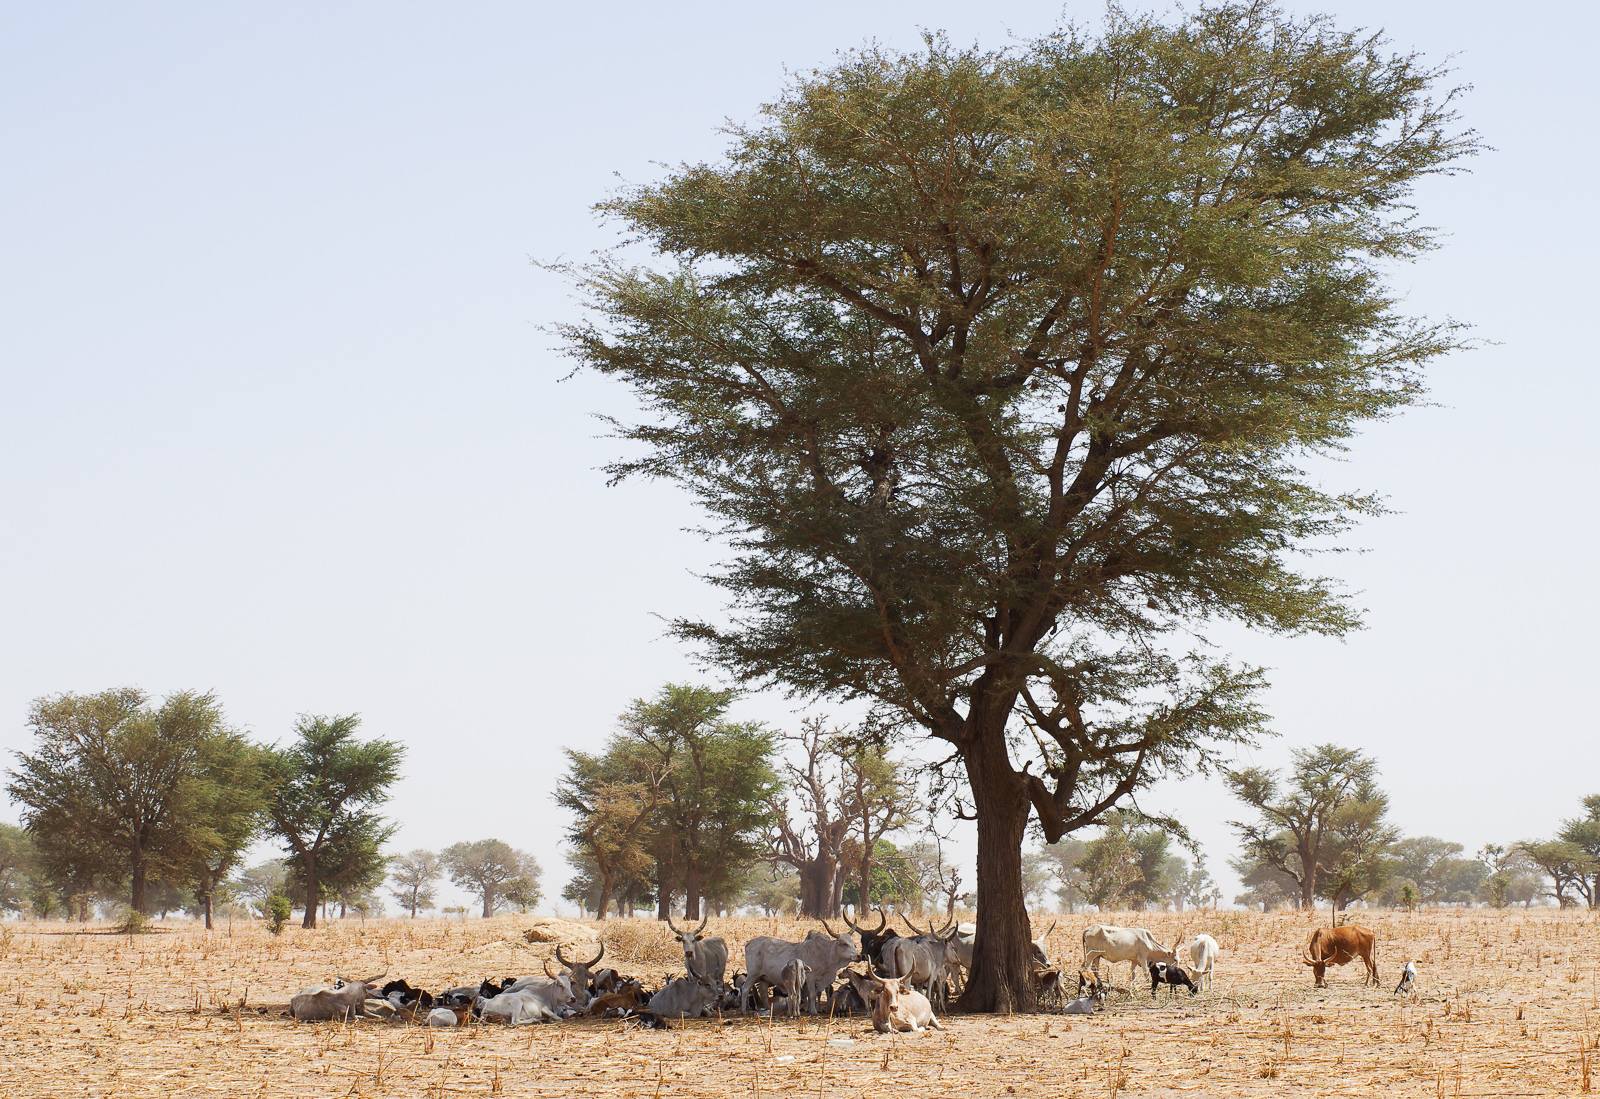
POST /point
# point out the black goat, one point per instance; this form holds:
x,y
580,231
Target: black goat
x,y
1165,973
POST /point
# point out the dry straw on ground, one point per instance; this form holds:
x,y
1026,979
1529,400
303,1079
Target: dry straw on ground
x,y
1509,1004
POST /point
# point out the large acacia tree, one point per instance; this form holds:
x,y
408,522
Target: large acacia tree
x,y
993,368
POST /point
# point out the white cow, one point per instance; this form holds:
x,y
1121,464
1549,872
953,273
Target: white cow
x,y
707,956
528,1000
766,959
1202,958
1133,945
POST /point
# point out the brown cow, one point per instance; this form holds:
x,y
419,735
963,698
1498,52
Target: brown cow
x,y
1338,945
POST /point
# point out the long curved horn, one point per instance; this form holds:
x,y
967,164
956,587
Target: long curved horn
x,y
1049,929
547,972
703,923
676,930
596,959
853,925
562,958
828,929
915,930
883,920
375,980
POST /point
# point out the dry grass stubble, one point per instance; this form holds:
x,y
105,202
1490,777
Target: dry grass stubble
x,y
1509,1004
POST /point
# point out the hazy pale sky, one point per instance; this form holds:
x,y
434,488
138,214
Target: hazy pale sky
x,y
278,417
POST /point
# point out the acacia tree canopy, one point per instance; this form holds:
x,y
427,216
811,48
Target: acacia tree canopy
x,y
994,367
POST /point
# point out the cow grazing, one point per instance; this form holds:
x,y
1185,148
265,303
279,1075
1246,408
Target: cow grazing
x,y
529,1000
1133,945
707,956
897,1008
1172,975
1338,945
1203,958
1408,978
873,939
341,1000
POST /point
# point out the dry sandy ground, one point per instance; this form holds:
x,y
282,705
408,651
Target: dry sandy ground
x,y
1509,1004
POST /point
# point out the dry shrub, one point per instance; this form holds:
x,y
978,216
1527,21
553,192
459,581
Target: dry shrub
x,y
646,942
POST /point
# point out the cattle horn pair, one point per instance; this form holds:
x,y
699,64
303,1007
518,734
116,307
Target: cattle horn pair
x,y
930,933
883,922
676,930
562,958
547,973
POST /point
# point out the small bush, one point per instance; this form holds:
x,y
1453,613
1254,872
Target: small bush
x,y
136,923
278,910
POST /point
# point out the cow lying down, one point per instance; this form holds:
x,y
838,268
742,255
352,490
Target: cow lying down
x,y
343,1000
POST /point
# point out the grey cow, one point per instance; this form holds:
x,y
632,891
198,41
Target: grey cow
x,y
341,1000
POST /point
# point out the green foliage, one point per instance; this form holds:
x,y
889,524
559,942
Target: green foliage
x,y
1322,825
119,790
277,910
18,869
327,787
714,786
991,367
493,871
414,875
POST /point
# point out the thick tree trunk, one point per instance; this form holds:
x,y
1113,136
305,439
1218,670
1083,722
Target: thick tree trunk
x,y
207,902
313,892
663,891
603,901
136,901
1000,979
488,903
691,892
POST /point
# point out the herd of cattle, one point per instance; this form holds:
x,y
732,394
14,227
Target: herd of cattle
x,y
896,979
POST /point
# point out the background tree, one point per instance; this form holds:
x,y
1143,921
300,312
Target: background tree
x,y
1064,857
613,798
813,848
878,798
1296,816
1265,886
233,812
1510,876
716,793
1425,862
996,367
491,870
259,882
1565,864
775,892
414,875
17,869
1110,865
524,891
1584,833
1358,847
327,787
126,789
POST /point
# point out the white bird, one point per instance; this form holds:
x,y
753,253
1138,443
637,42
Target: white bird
x,y
1407,977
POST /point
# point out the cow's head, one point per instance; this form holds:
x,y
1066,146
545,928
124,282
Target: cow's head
x,y
690,939
845,948
578,972
872,938
887,992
